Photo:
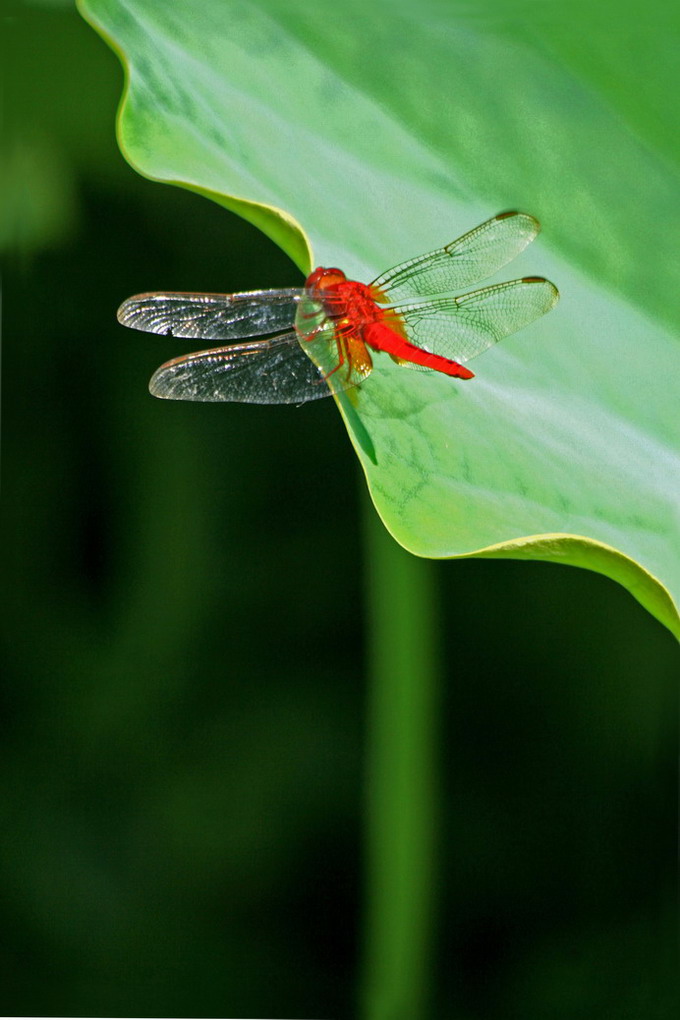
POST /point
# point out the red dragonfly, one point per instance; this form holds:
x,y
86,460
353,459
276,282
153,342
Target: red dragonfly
x,y
334,326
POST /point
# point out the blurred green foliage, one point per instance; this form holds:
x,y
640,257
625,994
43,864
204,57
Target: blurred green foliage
x,y
183,637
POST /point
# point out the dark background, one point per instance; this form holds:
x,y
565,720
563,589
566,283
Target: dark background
x,y
183,657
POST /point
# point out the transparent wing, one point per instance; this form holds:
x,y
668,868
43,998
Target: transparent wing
x,y
461,328
211,316
473,257
271,371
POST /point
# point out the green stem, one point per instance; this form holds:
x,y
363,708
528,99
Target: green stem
x,y
402,798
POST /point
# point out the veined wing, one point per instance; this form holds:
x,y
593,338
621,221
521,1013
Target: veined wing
x,y
211,316
271,371
460,328
472,257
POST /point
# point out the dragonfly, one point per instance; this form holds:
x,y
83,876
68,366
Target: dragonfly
x,y
327,333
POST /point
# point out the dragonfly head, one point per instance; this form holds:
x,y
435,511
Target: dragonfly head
x,y
325,279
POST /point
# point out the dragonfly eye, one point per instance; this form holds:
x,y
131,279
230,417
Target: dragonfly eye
x,y
323,279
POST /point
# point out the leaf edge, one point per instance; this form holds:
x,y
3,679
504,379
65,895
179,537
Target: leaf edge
x,y
277,224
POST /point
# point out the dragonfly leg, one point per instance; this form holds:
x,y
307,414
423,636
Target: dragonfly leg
x,y
339,343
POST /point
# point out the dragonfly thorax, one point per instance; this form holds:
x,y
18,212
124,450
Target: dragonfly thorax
x,y
341,298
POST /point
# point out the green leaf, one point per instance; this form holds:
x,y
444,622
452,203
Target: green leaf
x,y
388,130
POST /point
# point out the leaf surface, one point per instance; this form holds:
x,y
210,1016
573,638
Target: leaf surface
x,y
390,129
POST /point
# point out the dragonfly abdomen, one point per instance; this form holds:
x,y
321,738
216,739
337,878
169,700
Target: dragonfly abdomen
x,y
381,337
